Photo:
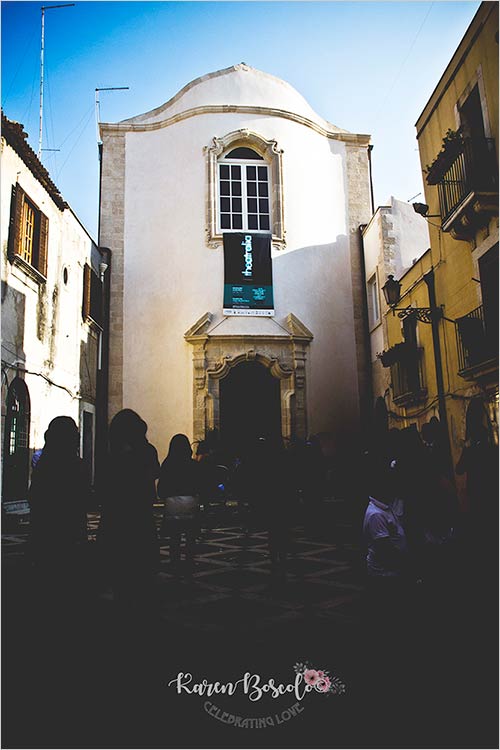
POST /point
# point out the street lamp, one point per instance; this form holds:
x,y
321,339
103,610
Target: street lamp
x,y
392,294
392,290
432,315
422,209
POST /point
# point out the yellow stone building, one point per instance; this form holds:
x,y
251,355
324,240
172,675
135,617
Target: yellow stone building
x,y
443,356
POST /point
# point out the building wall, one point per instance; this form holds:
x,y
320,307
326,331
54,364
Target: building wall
x,y
44,338
455,261
172,277
392,241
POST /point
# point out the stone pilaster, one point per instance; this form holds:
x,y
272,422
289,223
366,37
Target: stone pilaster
x,y
111,234
359,212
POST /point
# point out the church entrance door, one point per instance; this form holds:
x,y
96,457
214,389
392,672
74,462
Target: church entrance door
x,y
249,405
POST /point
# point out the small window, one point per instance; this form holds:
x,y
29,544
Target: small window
x,y
28,231
92,306
373,304
244,196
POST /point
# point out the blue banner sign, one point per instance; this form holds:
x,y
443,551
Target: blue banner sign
x,y
248,274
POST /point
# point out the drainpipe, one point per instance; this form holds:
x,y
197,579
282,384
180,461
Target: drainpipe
x,y
101,437
370,149
443,418
367,411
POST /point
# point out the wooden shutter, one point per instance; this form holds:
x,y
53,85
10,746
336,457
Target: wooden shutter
x,y
43,244
15,224
86,291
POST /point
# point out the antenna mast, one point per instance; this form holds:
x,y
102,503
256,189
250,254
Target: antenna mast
x,y
42,52
97,104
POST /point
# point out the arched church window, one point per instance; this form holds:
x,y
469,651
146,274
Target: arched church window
x,y
244,202
16,446
245,187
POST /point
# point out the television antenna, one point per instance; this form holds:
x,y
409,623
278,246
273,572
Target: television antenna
x,y
42,54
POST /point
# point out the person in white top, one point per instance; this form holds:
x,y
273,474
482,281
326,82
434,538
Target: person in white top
x,y
385,536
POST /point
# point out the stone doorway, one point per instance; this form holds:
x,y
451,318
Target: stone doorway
x,y
282,356
249,405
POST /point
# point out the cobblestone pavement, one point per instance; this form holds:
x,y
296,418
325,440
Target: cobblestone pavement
x,y
82,674
231,582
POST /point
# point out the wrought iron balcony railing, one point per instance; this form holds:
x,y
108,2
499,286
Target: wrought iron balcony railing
x,y
476,341
467,165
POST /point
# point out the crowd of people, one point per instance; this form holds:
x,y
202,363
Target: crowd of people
x,y
403,482
416,534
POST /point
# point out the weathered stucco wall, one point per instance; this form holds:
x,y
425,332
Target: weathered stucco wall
x,y
395,238
171,276
42,328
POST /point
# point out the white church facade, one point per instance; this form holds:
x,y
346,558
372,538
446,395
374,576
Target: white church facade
x,y
236,151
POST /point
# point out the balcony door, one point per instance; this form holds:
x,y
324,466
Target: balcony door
x,y
471,116
488,271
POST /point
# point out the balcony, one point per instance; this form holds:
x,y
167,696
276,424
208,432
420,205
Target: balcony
x,y
407,373
466,175
477,345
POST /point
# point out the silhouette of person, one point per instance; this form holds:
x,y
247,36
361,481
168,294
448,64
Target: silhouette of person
x,y
127,493
386,545
180,485
58,499
479,462
265,483
313,481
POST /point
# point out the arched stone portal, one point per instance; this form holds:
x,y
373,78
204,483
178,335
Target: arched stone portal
x,y
283,355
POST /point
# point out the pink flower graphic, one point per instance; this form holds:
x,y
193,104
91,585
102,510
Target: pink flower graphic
x,y
311,676
321,673
322,685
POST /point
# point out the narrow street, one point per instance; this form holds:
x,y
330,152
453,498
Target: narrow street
x,y
80,674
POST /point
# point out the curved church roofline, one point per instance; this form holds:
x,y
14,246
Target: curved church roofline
x,y
126,126
142,122
217,74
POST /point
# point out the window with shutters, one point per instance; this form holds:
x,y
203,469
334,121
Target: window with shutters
x,y
92,308
28,233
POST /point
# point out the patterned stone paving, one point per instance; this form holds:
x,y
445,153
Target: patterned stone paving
x,y
230,612
232,584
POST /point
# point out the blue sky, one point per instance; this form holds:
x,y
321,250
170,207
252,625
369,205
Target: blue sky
x,y
368,67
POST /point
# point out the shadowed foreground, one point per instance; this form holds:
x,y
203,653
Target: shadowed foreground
x,y
80,673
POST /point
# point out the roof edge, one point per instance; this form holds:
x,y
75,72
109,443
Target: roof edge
x,y
472,32
16,137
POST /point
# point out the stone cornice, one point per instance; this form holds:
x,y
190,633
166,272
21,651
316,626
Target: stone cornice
x,y
297,331
355,139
